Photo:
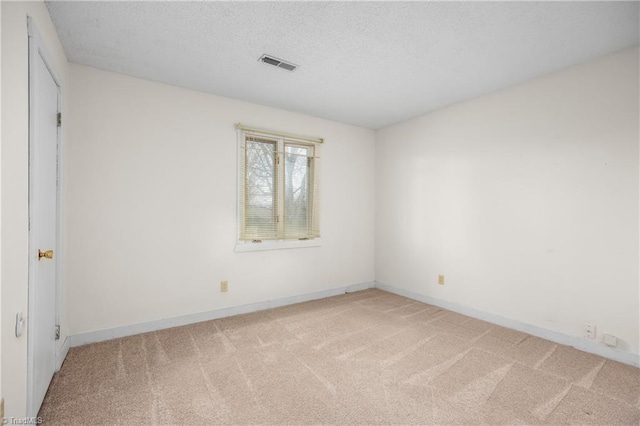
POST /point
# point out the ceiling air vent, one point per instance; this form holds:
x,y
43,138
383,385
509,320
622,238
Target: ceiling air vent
x,y
277,62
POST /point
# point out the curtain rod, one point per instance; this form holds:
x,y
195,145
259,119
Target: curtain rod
x,y
240,126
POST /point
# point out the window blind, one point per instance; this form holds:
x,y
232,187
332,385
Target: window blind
x,y
279,188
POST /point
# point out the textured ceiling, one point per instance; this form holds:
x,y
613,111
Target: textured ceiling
x,y
365,63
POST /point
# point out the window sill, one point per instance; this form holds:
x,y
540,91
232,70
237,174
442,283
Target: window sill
x,y
242,246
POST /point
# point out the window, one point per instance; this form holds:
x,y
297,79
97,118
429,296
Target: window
x,y
278,196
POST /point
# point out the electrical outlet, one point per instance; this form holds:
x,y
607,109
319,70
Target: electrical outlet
x,y
224,286
589,331
441,279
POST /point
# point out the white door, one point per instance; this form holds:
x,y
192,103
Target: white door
x,y
43,196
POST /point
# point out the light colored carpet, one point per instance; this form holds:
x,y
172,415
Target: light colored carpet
x,y
368,357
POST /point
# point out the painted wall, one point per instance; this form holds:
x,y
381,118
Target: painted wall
x,y
1,318
151,204
14,181
526,200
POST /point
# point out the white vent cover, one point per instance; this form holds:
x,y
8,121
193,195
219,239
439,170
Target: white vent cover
x,y
271,60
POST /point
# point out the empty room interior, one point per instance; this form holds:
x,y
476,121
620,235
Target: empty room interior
x,y
320,213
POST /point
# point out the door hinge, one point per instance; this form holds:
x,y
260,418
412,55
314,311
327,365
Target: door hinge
x,y
59,119
57,332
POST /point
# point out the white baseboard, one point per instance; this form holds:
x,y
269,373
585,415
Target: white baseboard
x,y
62,351
129,330
585,345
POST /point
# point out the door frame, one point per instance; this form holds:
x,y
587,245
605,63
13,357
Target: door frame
x,y
37,48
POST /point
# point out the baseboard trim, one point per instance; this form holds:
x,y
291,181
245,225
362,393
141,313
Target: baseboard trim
x,y
63,350
560,338
130,330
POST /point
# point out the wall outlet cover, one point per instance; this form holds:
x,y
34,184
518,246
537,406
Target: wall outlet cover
x,y
610,340
19,324
589,331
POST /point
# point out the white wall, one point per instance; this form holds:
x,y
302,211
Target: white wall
x,y
526,200
1,317
14,178
151,204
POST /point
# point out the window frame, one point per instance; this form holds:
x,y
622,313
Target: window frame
x,y
281,141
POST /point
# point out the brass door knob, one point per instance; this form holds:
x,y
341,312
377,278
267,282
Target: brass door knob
x,y
47,254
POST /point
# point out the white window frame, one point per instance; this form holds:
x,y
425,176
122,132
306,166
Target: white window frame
x,y
246,245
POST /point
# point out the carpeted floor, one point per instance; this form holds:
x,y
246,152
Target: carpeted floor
x,y
368,357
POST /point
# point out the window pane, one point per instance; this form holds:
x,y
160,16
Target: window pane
x,y
297,195
260,189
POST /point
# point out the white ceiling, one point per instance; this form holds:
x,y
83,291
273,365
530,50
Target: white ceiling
x,y
365,63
